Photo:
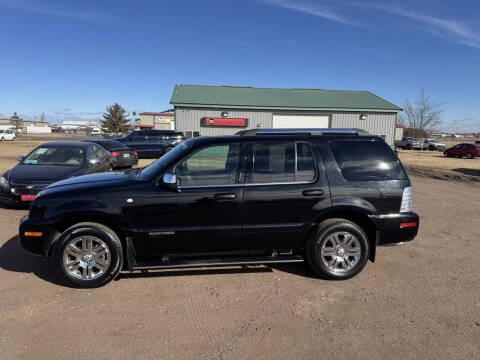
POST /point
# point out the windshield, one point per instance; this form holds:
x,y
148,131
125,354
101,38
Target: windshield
x,y
155,167
55,156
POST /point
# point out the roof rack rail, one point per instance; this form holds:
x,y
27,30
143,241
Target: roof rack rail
x,y
305,131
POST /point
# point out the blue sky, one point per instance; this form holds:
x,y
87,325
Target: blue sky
x,y
69,59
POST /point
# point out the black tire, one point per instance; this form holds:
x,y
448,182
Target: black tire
x,y
469,155
408,147
98,231
431,148
322,235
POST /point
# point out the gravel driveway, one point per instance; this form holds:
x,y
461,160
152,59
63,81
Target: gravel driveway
x,y
418,301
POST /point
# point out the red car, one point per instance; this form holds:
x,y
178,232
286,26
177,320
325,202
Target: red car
x,y
468,150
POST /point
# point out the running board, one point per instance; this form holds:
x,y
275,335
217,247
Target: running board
x,y
183,263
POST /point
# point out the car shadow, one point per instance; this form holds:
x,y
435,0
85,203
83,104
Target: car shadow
x,y
299,269
13,207
13,258
471,172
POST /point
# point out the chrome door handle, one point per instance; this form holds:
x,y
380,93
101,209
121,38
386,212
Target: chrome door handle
x,y
317,192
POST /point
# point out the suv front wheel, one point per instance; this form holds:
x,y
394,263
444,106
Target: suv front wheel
x,y
87,255
338,249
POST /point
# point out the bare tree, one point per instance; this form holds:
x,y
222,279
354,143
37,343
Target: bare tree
x,y
424,114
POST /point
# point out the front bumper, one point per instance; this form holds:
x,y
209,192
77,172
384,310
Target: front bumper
x,y
13,195
395,228
36,245
7,198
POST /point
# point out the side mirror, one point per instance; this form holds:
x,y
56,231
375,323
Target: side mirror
x,y
130,138
171,182
20,158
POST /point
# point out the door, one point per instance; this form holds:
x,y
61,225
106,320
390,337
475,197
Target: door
x,y
153,143
205,215
98,160
301,121
285,187
457,150
137,141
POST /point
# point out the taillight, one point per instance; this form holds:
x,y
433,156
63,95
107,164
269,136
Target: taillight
x,y
407,200
134,152
115,153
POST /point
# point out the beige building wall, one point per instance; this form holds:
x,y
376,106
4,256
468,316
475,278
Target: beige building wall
x,y
157,122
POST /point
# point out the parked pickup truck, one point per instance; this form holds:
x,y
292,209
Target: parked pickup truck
x,y
409,143
432,145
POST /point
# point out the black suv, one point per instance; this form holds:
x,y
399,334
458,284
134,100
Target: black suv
x,y
152,143
266,196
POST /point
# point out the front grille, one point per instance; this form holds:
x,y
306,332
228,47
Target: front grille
x,y
30,188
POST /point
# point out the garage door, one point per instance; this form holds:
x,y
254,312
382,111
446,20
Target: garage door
x,y
300,121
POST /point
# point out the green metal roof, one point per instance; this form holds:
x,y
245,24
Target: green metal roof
x,y
286,99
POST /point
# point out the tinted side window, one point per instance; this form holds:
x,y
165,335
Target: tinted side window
x,y
91,153
367,161
305,170
138,135
213,165
275,162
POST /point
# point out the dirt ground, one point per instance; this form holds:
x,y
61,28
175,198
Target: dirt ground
x,y
435,165
420,300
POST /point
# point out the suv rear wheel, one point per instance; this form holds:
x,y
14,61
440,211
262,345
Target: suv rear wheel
x,y
87,255
338,250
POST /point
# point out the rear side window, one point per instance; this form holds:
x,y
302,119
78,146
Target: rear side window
x,y
367,161
275,162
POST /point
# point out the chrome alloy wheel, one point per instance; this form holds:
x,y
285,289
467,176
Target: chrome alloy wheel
x,y
86,257
341,252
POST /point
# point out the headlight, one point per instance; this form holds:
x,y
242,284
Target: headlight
x,y
4,183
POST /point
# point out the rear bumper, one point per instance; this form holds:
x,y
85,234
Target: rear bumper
x,y
36,245
395,228
124,162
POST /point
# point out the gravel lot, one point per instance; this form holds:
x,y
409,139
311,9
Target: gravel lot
x,y
418,301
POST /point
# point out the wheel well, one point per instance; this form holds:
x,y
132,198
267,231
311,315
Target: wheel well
x,y
357,217
64,224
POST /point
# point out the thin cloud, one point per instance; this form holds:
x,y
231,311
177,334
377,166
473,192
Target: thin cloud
x,y
44,8
464,125
311,9
443,28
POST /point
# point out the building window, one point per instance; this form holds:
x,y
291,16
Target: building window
x,y
189,134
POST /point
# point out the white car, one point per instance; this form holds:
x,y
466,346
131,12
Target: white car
x,y
7,135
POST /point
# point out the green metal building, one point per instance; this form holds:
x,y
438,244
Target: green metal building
x,y
225,110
